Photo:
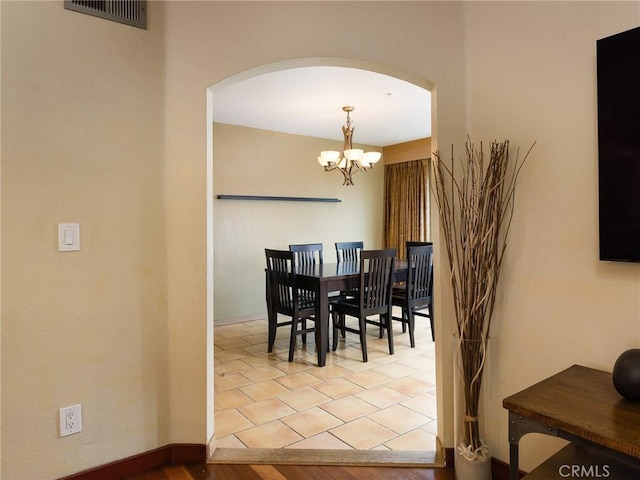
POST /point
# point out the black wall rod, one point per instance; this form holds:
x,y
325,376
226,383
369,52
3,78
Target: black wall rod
x,y
279,199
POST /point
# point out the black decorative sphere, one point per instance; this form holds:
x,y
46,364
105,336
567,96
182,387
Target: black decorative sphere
x,y
626,374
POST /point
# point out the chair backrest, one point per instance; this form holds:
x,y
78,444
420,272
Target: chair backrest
x,y
348,251
281,278
419,272
307,254
417,244
376,279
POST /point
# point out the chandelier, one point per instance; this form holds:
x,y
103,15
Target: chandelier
x,y
350,160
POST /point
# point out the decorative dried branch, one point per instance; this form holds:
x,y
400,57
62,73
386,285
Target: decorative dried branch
x,y
476,210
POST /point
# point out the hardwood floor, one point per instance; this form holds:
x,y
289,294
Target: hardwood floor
x,y
293,472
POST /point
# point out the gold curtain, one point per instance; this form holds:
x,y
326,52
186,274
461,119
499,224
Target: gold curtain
x,y
406,200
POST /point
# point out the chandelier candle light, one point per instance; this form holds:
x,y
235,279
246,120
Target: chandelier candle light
x,y
351,160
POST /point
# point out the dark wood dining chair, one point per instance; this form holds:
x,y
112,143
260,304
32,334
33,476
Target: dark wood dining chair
x,y
430,308
287,299
374,298
307,253
416,294
348,251
411,243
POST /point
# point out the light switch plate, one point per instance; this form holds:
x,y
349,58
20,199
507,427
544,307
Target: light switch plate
x,y
68,237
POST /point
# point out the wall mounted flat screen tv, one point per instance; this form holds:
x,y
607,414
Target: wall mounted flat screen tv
x,y
618,70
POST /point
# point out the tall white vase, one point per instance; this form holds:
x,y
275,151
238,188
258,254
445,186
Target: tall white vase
x,y
472,469
471,462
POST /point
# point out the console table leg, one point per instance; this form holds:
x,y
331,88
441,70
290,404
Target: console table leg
x,y
518,427
513,461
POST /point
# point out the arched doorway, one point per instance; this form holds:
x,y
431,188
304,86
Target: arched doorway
x,y
282,66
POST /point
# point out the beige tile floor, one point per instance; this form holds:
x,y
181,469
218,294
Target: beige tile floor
x,y
263,401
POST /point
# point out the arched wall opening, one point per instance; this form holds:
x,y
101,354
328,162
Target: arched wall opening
x,y
213,89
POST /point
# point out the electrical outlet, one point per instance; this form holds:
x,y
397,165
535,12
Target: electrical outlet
x,y
70,420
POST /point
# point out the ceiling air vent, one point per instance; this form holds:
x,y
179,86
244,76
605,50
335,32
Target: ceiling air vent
x,y
130,12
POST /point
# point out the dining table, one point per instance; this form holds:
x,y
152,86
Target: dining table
x,y
325,278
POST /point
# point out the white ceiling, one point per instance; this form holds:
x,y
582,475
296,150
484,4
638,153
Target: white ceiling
x,y
309,101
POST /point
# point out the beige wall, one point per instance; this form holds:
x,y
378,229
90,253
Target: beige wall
x,y
407,151
90,133
248,161
82,141
531,76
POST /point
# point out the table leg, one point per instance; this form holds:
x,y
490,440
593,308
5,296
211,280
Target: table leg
x,y
518,427
513,461
322,323
271,316
515,433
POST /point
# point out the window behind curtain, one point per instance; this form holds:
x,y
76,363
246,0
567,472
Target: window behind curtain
x,y
406,192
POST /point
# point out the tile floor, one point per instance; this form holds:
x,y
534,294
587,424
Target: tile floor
x,y
263,401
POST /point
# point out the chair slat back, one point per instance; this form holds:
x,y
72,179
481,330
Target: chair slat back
x,y
420,272
281,277
376,278
349,251
307,253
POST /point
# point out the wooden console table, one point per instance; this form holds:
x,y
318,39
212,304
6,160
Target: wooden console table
x,y
581,405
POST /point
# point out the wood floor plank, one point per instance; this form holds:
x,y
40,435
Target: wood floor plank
x,y
177,472
394,473
268,472
212,472
302,473
315,472
295,472
244,472
159,474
